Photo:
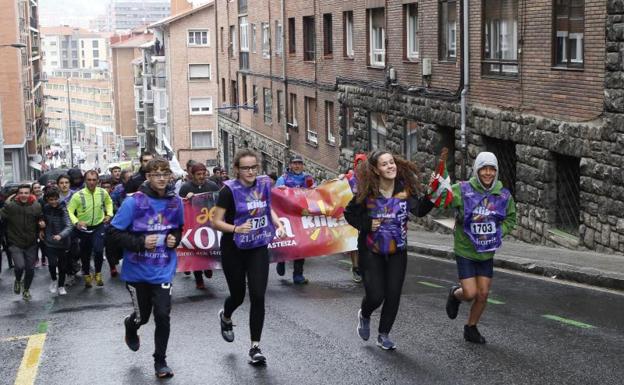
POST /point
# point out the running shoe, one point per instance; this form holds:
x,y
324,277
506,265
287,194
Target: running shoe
x,y
131,338
208,273
162,370
471,334
88,281
384,342
356,276
52,287
226,328
452,303
187,273
114,272
299,279
280,268
17,287
26,295
200,285
98,279
62,291
256,356
363,326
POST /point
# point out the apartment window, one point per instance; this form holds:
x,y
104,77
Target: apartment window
x,y
202,139
328,39
160,106
309,38
569,32
411,140
348,34
95,43
310,120
199,71
349,132
448,30
411,31
254,91
221,38
96,63
280,106
292,110
292,43
377,37
244,34
198,38
268,105
223,91
54,63
84,63
232,41
201,106
377,130
53,43
96,53
253,38
233,93
278,38
266,40
500,46
329,122
244,89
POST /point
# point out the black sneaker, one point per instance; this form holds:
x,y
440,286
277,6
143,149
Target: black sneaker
x,y
162,370
452,303
226,328
132,338
256,356
471,334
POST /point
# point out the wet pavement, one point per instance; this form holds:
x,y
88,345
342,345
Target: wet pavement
x,y
538,331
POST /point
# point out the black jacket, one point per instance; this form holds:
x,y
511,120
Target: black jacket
x,y
356,214
57,223
135,182
132,241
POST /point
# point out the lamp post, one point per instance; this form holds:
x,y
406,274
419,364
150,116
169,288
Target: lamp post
x,y
19,46
70,128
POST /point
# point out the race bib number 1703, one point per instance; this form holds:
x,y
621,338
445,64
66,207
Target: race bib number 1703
x,y
483,228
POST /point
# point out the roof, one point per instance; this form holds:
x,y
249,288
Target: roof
x,y
181,15
134,42
66,30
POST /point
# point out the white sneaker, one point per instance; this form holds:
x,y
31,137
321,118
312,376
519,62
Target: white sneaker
x,y
62,291
53,286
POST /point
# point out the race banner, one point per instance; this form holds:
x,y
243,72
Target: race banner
x,y
313,220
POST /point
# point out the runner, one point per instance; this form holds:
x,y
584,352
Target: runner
x,y
137,179
21,216
89,209
76,179
115,175
387,190
243,214
57,238
486,212
198,184
63,182
295,177
148,226
73,254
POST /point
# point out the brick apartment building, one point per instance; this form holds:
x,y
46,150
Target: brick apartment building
x,y
331,78
21,94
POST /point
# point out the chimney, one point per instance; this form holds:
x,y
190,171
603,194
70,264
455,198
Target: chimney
x,y
179,6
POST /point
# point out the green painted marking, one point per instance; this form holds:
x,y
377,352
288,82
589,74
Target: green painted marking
x,y
43,327
568,321
425,283
495,301
345,261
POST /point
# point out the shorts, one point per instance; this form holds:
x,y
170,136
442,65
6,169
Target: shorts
x,y
468,268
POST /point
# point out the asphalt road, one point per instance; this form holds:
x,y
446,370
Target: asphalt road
x,y
538,331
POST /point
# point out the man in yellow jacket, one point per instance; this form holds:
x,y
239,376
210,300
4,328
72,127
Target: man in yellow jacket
x,y
89,209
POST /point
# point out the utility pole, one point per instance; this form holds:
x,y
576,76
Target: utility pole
x,y
70,127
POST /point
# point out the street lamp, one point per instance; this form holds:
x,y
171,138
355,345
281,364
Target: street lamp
x,y
14,45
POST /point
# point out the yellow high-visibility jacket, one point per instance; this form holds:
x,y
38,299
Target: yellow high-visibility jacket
x,y
90,207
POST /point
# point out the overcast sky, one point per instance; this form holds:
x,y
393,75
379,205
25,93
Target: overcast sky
x,y
76,13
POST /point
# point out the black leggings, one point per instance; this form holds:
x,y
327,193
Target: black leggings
x,y
254,264
58,258
91,242
146,296
383,278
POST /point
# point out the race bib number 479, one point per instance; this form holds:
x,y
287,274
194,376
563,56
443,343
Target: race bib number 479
x,y
483,228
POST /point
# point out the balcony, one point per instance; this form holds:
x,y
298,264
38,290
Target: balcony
x,y
34,23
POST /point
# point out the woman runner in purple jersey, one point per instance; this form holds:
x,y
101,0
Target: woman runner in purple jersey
x,y
387,190
243,214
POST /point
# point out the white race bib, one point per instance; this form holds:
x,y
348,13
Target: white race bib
x,y
258,222
483,228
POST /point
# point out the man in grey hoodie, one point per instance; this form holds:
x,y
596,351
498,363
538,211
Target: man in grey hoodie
x,y
22,215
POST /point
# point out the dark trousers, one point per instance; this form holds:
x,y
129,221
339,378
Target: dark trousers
x,y
297,266
24,260
145,298
91,242
58,259
383,278
252,264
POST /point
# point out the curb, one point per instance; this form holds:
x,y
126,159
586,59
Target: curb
x,y
558,271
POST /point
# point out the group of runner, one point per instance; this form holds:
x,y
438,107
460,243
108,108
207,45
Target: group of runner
x,y
141,218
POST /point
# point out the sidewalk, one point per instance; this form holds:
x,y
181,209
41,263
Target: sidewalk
x,y
604,270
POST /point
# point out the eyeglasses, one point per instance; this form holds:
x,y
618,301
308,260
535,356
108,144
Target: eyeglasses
x,y
253,168
164,175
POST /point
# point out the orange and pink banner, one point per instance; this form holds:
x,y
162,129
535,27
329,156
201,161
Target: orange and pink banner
x,y
313,220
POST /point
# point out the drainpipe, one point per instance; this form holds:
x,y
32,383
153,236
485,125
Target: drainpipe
x,y
464,92
284,54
